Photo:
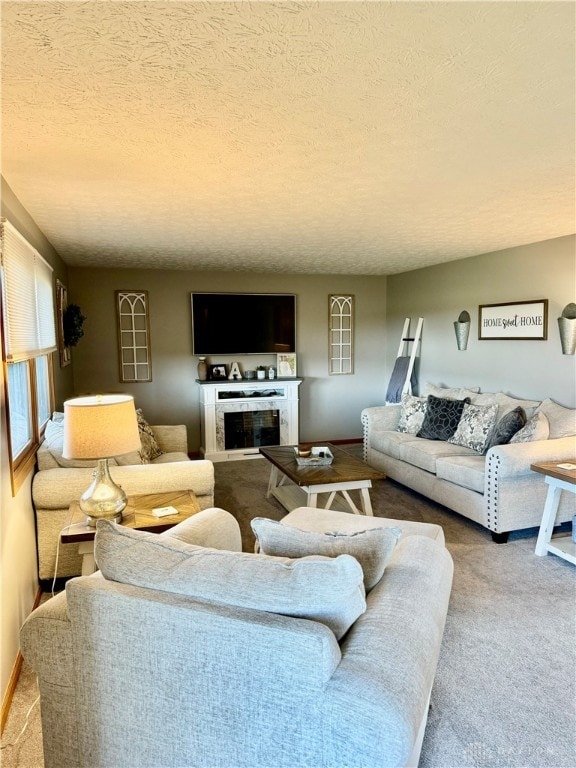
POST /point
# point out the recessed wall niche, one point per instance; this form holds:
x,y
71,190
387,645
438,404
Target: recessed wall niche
x,y
133,336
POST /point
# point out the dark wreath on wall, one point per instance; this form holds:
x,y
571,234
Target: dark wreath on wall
x,y
70,324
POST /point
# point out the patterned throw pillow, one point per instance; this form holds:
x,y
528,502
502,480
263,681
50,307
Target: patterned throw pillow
x,y
507,427
442,418
475,426
150,448
536,429
372,548
412,414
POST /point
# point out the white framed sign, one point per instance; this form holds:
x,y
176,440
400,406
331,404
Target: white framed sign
x,y
526,320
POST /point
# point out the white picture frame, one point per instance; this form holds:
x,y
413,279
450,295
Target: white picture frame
x,y
286,365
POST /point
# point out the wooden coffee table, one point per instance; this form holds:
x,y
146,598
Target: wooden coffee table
x,y
297,486
137,515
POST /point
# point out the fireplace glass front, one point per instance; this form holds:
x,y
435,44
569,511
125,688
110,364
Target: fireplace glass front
x,y
249,429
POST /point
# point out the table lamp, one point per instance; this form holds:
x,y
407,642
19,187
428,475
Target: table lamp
x,y
99,427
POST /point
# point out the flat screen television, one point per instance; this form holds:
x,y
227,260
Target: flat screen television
x,y
243,323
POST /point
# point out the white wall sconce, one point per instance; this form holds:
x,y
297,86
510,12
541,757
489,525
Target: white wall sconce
x,y
567,329
462,329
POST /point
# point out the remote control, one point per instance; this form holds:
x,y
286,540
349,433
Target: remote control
x,y
163,511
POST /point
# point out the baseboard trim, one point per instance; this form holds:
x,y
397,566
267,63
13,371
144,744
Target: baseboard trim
x,y
14,677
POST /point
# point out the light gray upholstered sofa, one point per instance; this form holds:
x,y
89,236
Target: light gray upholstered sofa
x,y
498,490
132,676
58,482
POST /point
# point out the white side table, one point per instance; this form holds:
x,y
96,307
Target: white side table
x,y
558,480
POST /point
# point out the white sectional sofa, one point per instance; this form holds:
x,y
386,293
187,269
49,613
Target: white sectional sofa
x,y
60,481
496,489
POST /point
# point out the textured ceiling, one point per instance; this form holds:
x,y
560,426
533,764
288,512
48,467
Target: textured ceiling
x,y
341,137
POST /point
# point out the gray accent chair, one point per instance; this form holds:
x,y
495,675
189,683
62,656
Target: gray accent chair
x,y
131,676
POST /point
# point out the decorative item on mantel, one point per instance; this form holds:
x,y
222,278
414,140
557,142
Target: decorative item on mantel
x,y
234,372
202,369
260,372
567,329
462,329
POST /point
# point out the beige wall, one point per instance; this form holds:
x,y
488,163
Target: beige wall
x,y
18,565
330,405
532,369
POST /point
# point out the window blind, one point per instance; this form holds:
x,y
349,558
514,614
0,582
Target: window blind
x,y
28,297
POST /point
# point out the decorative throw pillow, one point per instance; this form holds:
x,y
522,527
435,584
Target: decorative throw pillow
x,y
372,548
412,414
150,448
475,426
507,427
536,429
506,403
442,417
562,420
54,442
324,589
450,393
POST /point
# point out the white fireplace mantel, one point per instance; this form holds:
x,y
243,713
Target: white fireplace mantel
x,y
223,396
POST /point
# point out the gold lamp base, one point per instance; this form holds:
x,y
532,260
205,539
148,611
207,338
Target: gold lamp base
x,y
103,499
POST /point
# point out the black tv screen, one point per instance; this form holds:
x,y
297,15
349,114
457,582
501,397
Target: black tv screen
x,y
243,323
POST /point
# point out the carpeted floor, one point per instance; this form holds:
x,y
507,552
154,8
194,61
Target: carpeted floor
x,y
505,688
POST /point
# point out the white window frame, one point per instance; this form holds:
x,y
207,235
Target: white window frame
x,y
28,337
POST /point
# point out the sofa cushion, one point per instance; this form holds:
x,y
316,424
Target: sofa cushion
x,y
372,548
536,429
507,427
466,471
413,410
475,426
424,453
390,442
505,403
150,449
562,420
452,393
324,589
441,418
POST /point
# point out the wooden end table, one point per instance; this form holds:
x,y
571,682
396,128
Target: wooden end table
x,y
345,474
137,515
558,479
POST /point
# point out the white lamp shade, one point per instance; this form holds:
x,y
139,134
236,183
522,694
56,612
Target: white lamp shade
x,y
100,427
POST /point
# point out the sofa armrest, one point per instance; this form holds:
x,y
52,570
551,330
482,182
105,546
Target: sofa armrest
x,y
378,418
172,438
381,417
56,488
516,458
46,641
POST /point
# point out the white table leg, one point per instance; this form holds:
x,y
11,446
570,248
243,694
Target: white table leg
x,y
273,481
366,503
86,549
548,518
311,498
